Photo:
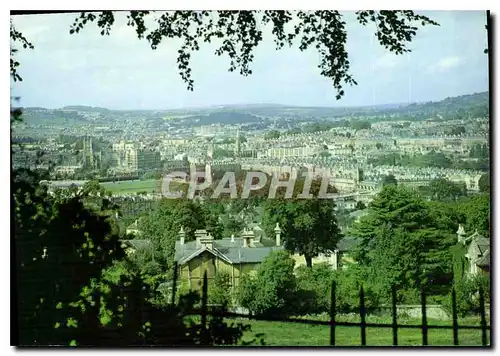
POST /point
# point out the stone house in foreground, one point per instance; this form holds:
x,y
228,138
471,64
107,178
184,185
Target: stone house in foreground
x,y
239,256
236,256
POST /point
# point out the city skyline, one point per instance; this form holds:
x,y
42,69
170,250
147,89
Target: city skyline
x,y
88,69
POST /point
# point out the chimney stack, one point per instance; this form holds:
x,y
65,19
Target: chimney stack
x,y
247,237
182,235
205,239
277,231
461,234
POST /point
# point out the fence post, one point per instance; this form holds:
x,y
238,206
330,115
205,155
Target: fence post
x,y
362,314
332,315
204,340
174,282
455,317
483,317
394,318
424,317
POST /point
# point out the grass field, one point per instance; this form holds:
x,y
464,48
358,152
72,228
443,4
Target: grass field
x,y
135,186
288,334
294,334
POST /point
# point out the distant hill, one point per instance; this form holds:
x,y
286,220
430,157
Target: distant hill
x,y
85,108
223,117
40,116
472,105
475,105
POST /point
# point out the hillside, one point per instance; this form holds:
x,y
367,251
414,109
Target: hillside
x,y
476,104
223,117
464,106
52,117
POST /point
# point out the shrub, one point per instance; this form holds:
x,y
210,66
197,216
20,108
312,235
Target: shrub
x,y
314,288
271,291
467,295
348,284
409,296
219,290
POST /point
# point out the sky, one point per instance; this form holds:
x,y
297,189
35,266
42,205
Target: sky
x,y
122,72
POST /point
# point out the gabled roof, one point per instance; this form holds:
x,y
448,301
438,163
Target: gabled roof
x,y
476,236
483,243
231,251
198,252
484,261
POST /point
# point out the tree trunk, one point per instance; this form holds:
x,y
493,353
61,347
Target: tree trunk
x,y
308,261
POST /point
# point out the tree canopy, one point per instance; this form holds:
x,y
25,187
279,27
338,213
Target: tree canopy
x,y
240,32
270,291
405,241
389,180
484,183
444,189
309,226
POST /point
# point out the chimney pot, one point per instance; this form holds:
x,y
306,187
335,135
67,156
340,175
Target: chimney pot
x,y
461,233
247,237
277,230
182,235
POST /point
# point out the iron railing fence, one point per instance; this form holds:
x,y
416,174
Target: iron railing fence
x,y
363,325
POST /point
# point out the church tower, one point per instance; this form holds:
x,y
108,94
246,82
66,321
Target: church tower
x,y
237,150
88,153
91,153
208,163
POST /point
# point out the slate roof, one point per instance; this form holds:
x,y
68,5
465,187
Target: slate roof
x,y
483,245
231,251
484,261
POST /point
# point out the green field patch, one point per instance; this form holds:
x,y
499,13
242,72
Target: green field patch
x,y
278,333
131,187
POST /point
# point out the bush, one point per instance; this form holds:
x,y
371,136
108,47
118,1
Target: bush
x,y
409,296
219,290
348,284
314,288
467,295
272,291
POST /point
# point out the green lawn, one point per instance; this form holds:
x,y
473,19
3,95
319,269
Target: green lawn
x,y
288,334
125,187
293,334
